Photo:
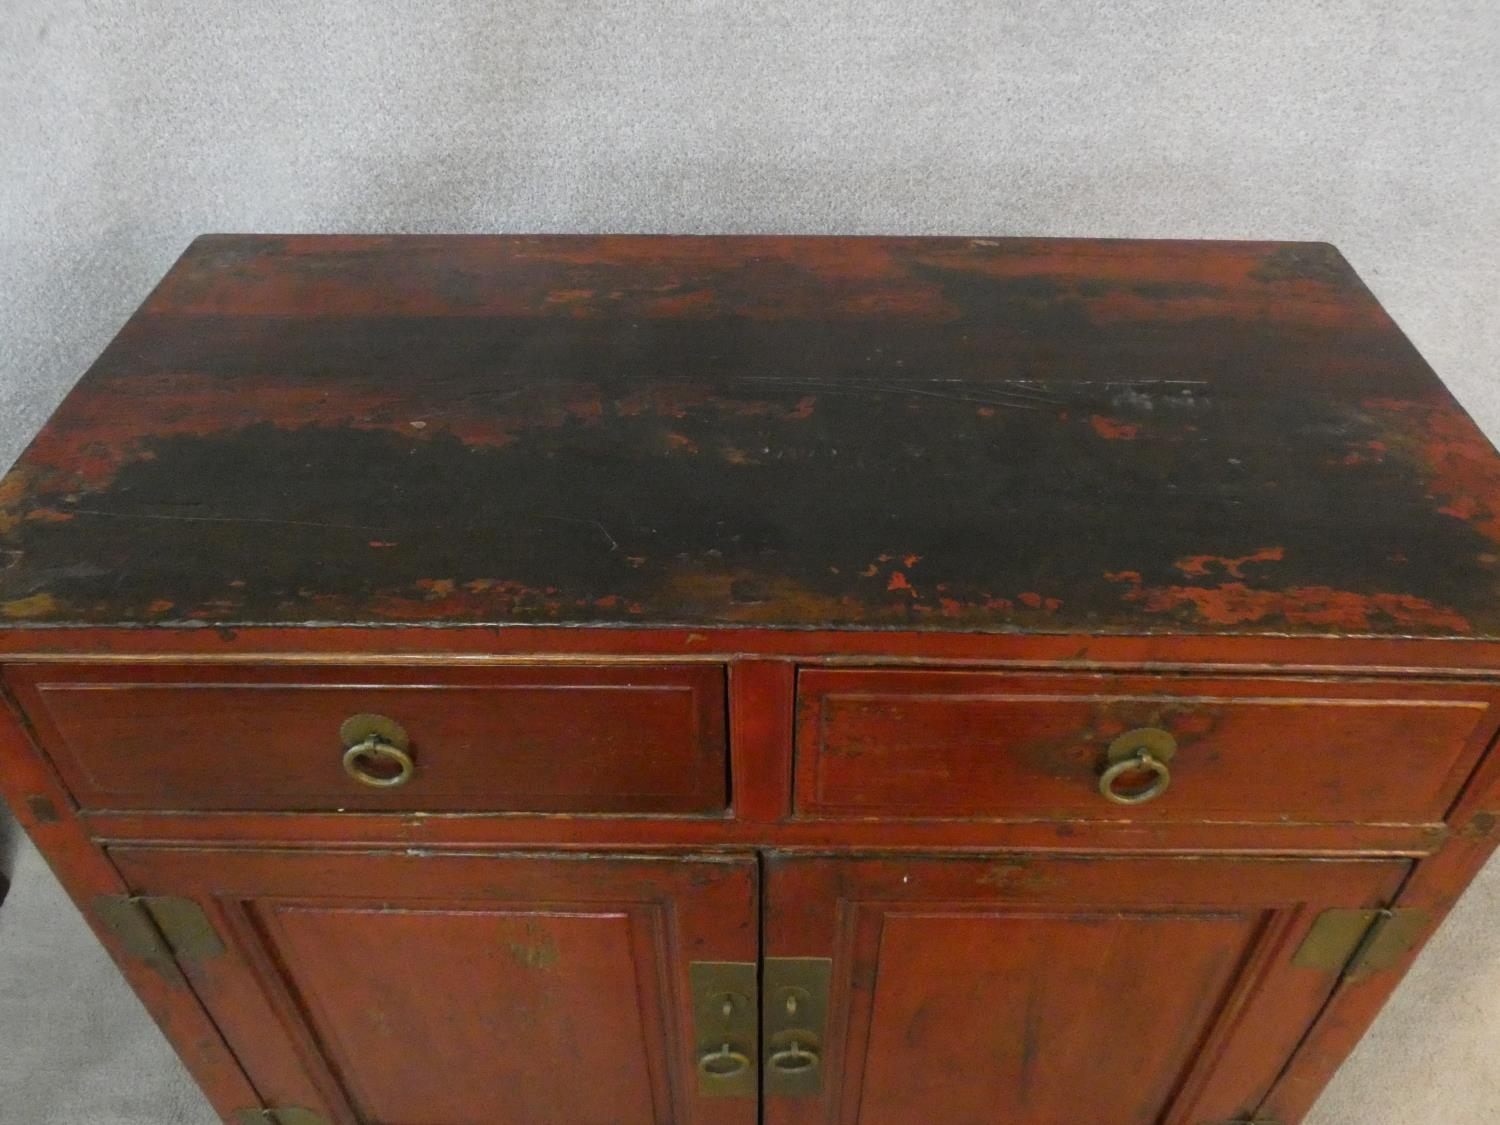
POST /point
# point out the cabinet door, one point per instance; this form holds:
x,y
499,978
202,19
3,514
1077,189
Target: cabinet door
x,y
433,989
1048,991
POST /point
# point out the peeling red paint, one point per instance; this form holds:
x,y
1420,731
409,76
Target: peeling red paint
x,y
1112,429
1235,603
1033,600
1459,463
898,582
1198,565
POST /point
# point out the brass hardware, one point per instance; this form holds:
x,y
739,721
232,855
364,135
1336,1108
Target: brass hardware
x,y
186,927
725,1025
295,1115
378,751
723,1063
797,1057
1394,934
1335,936
159,929
1360,943
796,1018
1147,749
359,760
132,927
357,728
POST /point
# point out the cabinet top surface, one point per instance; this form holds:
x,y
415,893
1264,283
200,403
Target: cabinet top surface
x,y
895,433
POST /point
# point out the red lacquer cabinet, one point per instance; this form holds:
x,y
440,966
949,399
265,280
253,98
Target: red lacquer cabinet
x,y
676,681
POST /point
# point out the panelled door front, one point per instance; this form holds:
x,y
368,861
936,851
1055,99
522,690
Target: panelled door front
x,y
366,988
1017,990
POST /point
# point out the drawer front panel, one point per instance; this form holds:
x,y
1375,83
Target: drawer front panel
x,y
896,743
535,738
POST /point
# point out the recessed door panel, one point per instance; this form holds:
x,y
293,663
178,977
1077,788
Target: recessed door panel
x,y
398,989
1040,1035
1031,991
534,998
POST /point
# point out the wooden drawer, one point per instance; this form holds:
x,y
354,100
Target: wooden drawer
x,y
906,743
534,738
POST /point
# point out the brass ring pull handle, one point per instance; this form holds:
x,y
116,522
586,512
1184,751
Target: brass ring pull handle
x,y
796,1057
726,1062
378,752
1147,750
1143,761
379,764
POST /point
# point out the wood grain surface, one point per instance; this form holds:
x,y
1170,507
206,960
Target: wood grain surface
x,y
906,433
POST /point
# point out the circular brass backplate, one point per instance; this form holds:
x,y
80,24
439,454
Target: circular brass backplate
x,y
1160,744
357,728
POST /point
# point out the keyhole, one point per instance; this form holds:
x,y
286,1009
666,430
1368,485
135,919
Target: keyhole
x,y
729,1005
791,1001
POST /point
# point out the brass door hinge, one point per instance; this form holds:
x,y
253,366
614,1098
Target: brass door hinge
x,y
286,1115
1357,944
161,930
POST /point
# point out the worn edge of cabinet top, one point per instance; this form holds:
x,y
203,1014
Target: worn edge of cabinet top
x,y
947,434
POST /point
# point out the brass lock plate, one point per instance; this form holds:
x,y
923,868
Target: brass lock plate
x,y
796,1024
726,1027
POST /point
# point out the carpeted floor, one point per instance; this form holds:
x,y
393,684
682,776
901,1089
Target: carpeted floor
x,y
126,128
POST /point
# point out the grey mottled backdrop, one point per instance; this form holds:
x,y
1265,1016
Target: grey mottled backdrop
x,y
128,127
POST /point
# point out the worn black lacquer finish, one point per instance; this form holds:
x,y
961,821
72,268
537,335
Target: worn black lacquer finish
x,y
897,433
